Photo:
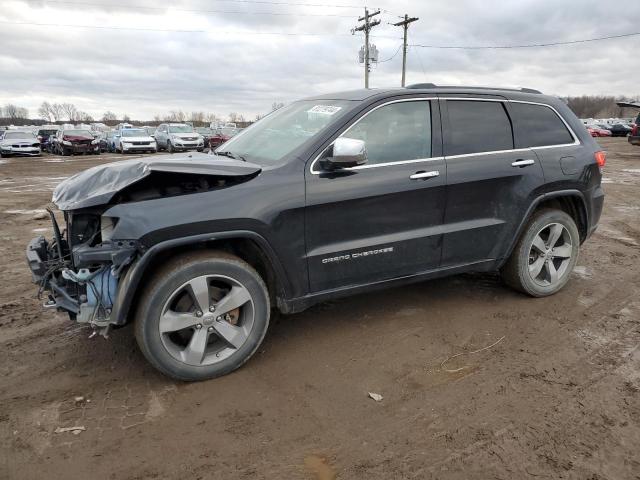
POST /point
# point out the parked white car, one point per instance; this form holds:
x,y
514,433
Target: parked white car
x,y
178,136
17,142
130,140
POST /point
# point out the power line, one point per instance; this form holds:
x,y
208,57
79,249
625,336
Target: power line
x,y
417,45
259,2
239,32
532,45
392,56
224,12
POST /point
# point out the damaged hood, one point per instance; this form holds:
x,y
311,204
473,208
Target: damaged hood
x,y
98,185
77,138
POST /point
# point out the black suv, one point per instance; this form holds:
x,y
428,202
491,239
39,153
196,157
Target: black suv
x,y
329,196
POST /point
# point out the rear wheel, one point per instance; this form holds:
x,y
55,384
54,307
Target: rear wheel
x,y
544,257
204,315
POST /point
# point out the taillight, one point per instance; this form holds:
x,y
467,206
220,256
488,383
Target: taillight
x,y
634,131
601,159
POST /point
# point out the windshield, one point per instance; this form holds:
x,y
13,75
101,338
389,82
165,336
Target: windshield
x,y
16,135
180,129
282,131
134,132
204,131
228,131
80,133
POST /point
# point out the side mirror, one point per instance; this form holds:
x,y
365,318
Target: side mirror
x,y
347,152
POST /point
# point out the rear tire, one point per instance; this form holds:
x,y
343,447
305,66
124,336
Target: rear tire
x,y
543,259
185,326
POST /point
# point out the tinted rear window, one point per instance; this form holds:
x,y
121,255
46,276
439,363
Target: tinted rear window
x,y
539,126
476,126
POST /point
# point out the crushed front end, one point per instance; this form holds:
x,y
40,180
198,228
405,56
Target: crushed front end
x,y
80,267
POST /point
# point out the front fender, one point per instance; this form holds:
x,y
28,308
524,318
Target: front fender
x,y
129,284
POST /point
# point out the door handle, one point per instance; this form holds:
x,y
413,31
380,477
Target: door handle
x,y
522,163
419,175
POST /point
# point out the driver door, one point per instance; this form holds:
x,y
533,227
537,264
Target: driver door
x,y
381,220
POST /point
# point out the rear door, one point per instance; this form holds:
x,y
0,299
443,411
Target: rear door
x,y
381,220
490,183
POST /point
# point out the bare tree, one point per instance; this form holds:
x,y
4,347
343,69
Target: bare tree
x,y
276,106
45,112
126,118
84,117
176,116
10,111
235,117
109,116
56,111
197,118
70,111
212,118
588,106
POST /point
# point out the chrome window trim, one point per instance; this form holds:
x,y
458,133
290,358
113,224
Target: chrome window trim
x,y
376,165
576,141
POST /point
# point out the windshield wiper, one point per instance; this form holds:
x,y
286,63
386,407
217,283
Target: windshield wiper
x,y
228,154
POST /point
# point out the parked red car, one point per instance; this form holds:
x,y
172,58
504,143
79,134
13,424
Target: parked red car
x,y
596,131
221,135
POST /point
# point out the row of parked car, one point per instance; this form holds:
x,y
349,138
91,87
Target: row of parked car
x,y
607,130
69,140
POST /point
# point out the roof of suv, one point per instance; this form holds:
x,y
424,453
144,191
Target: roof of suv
x,y
430,88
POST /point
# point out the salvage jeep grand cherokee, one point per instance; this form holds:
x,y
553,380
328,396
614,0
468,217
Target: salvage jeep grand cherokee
x,y
329,196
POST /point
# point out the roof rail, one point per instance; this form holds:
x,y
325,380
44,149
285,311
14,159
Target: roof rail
x,y
433,85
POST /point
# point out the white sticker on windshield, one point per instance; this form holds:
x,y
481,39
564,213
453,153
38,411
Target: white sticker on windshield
x,y
325,109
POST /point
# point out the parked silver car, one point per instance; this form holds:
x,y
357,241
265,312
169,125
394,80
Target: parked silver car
x,y
17,142
178,136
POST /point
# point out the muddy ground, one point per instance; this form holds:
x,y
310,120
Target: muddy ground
x,y
557,397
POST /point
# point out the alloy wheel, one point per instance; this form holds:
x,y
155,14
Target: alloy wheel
x,y
206,320
550,254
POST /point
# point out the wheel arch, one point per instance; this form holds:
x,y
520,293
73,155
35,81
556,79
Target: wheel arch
x,y
248,246
570,201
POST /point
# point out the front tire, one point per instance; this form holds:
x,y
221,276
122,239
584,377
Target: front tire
x,y
204,315
170,148
543,259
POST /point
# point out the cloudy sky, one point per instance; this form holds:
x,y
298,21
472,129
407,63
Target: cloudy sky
x,y
147,57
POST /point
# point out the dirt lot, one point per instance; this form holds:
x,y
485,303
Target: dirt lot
x,y
557,397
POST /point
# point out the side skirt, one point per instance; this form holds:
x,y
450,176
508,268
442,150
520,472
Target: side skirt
x,y
296,305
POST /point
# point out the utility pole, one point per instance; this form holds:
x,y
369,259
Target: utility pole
x,y
405,26
366,28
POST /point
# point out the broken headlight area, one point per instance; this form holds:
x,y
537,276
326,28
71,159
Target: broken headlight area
x,y
80,267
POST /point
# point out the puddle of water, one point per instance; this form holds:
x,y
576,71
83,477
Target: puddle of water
x,y
632,170
319,467
607,180
40,230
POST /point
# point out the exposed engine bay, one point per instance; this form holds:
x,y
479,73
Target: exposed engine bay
x,y
81,268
